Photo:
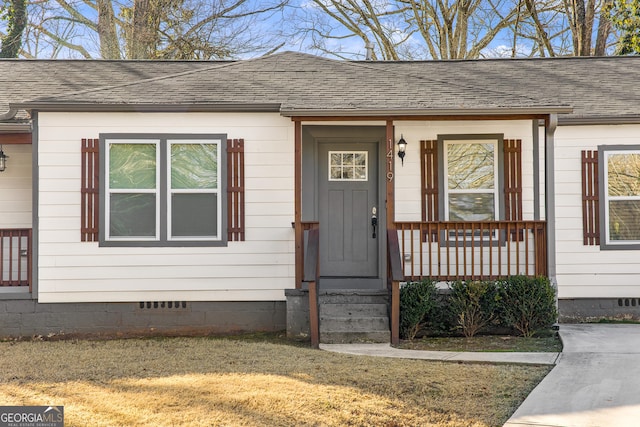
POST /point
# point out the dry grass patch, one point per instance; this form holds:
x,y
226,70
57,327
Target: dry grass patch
x,y
204,382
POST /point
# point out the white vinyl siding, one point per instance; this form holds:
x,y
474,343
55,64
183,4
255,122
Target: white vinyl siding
x,y
15,187
587,271
257,269
407,177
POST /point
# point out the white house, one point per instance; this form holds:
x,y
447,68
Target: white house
x,y
181,197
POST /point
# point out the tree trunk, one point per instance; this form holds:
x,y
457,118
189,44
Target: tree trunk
x,y
12,42
604,30
109,45
581,21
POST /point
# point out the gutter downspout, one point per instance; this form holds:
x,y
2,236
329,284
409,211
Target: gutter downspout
x,y
550,202
10,114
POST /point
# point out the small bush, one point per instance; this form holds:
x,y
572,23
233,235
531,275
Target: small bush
x,y
418,300
472,305
527,304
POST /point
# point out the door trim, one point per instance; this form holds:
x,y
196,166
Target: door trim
x,y
311,136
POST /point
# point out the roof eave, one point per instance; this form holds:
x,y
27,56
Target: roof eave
x,y
15,127
145,108
602,120
508,111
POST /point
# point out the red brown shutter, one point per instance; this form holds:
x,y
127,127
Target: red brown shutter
x,y
235,189
89,190
429,156
590,198
512,150
429,169
513,179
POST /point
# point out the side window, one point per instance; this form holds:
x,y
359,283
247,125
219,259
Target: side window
x,y
132,198
471,178
194,186
620,168
471,184
162,190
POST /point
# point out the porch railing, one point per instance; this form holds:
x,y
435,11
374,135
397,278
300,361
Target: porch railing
x,y
15,257
472,250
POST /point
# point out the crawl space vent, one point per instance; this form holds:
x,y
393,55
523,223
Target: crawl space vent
x,y
173,305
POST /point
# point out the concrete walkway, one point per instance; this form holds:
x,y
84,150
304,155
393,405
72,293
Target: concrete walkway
x,y
595,383
385,350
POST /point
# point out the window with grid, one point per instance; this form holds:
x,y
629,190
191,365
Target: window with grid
x,y
163,190
621,190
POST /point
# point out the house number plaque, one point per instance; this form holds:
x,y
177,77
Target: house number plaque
x,y
390,160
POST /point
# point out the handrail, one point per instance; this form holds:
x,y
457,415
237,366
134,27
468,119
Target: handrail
x,y
312,254
395,262
300,229
310,275
396,275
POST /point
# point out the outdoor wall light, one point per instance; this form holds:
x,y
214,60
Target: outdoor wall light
x,y
3,160
402,147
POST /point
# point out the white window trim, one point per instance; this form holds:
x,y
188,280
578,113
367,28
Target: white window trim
x,y
110,191
496,171
171,191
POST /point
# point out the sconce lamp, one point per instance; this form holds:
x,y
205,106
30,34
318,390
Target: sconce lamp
x,y
3,160
402,147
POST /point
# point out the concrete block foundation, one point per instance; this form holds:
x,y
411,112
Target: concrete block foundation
x,y
581,310
26,317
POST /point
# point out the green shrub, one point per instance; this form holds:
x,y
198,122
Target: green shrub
x,y
527,304
418,300
472,305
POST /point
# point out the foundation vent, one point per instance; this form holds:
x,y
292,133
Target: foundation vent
x,y
628,302
154,305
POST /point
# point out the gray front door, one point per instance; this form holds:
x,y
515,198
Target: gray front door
x,y
348,198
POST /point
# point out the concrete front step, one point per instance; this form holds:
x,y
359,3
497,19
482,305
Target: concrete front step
x,y
357,296
353,310
352,316
355,337
353,324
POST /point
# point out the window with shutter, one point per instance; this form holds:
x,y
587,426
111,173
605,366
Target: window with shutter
x,y
462,182
181,203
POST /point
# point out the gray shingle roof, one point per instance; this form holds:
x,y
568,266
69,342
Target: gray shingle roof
x,y
21,80
594,87
297,83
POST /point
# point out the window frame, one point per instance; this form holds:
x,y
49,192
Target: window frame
x,y
453,238
342,166
498,170
603,154
163,190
